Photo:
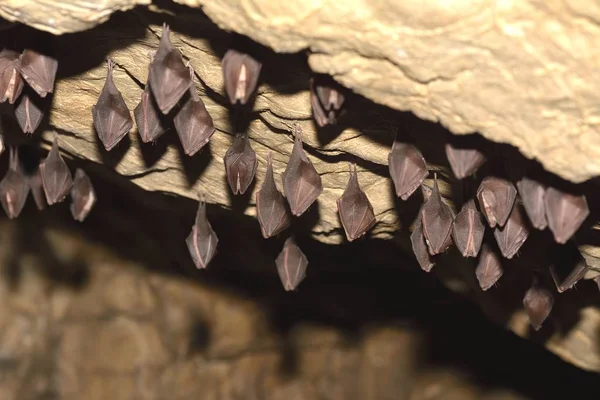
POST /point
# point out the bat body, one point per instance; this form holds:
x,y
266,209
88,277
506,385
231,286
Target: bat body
x,y
326,103
468,230
169,77
355,209
301,181
532,194
202,240
240,74
55,175
437,219
571,279
511,237
496,199
28,114
407,168
240,164
14,187
39,71
565,213
489,269
419,247
291,265
538,302
11,82
111,116
148,118
271,209
83,196
37,190
464,162
2,145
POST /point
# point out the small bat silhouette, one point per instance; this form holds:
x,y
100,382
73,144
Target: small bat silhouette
x,y
55,175
148,118
574,276
111,116
37,190
496,199
202,240
511,237
83,195
14,187
437,219
489,269
38,70
291,265
420,247
326,102
2,146
240,164
532,194
565,213
28,113
11,82
538,302
407,168
271,209
240,73
464,162
355,209
468,230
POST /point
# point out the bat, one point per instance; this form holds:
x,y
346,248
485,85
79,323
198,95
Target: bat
x,y
148,118
464,162
271,209
301,181
55,175
580,269
291,265
496,199
489,269
2,146
28,114
83,195
240,164
37,190
420,248
325,103
240,74
11,82
538,302
511,237
14,187
355,209
193,123
38,70
407,168
468,230
110,114
437,219
532,194
202,240
169,77
565,213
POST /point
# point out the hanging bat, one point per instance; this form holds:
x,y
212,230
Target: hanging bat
x,y
38,70
496,199
37,190
407,168
538,302
565,213
291,265
240,74
11,82
2,145
111,116
240,164
83,195
148,118
511,237
326,103
564,283
532,194
169,77
28,113
464,162
202,240
14,187
355,209
55,174
437,219
193,123
468,230
420,247
271,209
301,181
489,269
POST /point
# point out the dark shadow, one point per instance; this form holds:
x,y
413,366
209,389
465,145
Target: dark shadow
x,y
194,166
113,157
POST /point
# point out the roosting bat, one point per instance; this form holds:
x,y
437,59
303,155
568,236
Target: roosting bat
x,y
148,118
111,116
496,199
11,82
14,187
355,209
271,208
538,302
437,218
326,103
240,164
420,247
240,73
193,123
291,265
532,194
489,269
2,145
464,162
83,196
574,276
202,240
511,237
37,190
468,230
28,114
565,213
407,168
169,77
301,181
55,174
38,70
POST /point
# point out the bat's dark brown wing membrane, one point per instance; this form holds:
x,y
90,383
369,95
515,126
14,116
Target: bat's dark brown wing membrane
x,y
28,113
148,118
271,209
532,194
574,276
83,196
240,164
202,240
489,268
14,188
240,73
496,199
468,230
565,213
355,209
437,219
420,248
464,162
38,70
291,265
11,82
515,232
55,175
37,190
407,168
538,303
